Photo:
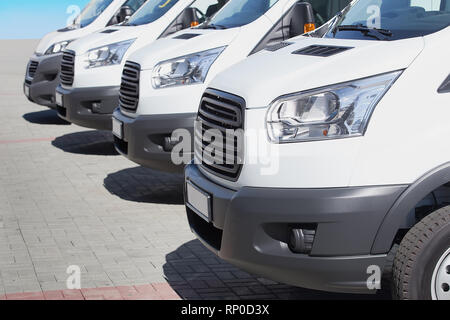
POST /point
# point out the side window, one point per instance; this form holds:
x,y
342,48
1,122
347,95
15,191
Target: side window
x,y
198,12
207,8
428,5
134,4
324,10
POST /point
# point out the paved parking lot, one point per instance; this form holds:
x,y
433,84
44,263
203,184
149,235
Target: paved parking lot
x,y
67,198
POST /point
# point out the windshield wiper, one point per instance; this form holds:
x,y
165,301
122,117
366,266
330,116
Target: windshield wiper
x,y
215,26
377,33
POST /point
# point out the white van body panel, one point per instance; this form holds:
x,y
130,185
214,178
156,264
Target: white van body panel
x,y
111,75
394,149
97,24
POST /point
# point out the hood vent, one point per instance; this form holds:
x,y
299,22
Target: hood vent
x,y
109,31
321,51
278,46
187,36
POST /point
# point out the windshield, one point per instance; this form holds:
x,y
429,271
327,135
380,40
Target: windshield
x,y
391,19
151,11
238,13
91,12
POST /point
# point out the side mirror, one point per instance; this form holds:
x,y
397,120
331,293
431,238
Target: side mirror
x,y
124,14
186,19
302,19
189,18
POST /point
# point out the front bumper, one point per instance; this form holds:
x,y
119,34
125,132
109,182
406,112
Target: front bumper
x,y
250,229
89,107
43,84
143,140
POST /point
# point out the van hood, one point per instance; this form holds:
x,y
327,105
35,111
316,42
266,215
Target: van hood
x,y
111,35
183,43
58,36
262,78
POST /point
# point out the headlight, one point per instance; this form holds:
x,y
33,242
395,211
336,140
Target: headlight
x,y
184,70
107,55
338,111
58,47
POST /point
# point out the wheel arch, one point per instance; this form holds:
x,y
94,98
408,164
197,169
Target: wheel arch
x,y
400,214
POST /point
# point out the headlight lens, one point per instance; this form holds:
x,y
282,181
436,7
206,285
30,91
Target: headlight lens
x,y
58,47
338,111
184,70
108,55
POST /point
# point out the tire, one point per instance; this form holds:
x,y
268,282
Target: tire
x,y
418,256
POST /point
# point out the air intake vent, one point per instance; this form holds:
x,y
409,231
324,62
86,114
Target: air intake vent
x,y
129,88
223,112
109,31
321,51
32,67
278,46
186,36
68,68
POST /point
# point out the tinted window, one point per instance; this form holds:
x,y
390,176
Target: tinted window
x,y
151,11
92,11
207,8
396,19
324,10
134,4
241,12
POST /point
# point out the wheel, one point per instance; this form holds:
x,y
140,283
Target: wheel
x,y
421,268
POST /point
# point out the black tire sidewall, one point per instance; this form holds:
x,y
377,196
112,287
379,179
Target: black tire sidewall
x,y
427,259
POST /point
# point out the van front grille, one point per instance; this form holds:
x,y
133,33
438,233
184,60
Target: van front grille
x,y
129,88
219,135
68,68
32,67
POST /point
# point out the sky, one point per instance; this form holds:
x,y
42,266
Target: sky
x,y
32,19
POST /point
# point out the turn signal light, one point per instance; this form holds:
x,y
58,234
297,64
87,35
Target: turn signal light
x,y
309,27
194,24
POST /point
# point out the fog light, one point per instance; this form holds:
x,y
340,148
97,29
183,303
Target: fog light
x,y
170,143
96,107
301,240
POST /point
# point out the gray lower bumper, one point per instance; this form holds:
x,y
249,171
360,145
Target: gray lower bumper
x,y
89,107
143,139
250,228
43,84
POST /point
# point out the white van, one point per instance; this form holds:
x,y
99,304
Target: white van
x,y
91,67
163,83
42,74
345,162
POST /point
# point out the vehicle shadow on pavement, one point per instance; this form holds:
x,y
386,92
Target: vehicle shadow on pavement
x,y
49,117
197,274
140,184
93,142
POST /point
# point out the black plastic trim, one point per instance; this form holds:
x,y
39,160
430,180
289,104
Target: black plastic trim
x,y
78,106
143,138
254,222
399,216
445,87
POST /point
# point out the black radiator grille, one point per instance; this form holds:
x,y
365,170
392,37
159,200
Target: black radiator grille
x,y
67,68
223,113
129,87
32,67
